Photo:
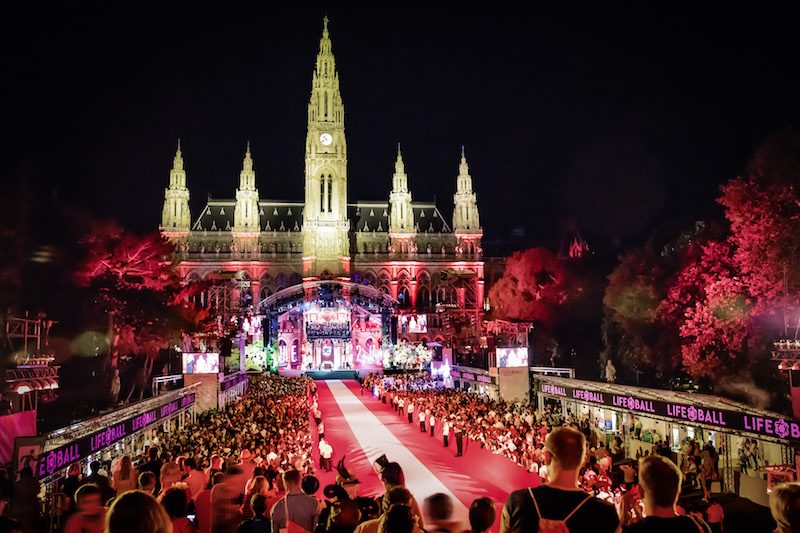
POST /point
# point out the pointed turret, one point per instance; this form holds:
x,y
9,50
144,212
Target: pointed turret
x,y
175,217
246,215
401,220
465,212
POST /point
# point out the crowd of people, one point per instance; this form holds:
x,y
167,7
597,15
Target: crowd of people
x,y
250,468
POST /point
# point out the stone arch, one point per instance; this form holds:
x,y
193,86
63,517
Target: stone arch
x,y
369,278
423,297
404,296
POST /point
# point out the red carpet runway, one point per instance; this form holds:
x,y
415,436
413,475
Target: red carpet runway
x,y
363,428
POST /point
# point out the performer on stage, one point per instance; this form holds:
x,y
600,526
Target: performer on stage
x,y
410,411
401,404
445,432
432,423
422,421
459,439
321,430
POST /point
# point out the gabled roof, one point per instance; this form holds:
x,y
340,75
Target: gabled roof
x,y
374,217
217,215
275,216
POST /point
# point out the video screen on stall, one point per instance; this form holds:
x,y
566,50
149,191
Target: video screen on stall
x,y
201,363
413,323
512,357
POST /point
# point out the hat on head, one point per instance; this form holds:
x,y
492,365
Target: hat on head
x,y
344,477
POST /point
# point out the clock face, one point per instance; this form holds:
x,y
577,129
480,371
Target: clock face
x,y
326,139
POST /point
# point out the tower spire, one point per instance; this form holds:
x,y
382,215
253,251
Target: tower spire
x,y
177,161
465,212
175,216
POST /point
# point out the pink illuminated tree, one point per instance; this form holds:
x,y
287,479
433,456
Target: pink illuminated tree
x,y
533,286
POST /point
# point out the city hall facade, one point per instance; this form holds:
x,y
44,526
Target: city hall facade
x,y
334,278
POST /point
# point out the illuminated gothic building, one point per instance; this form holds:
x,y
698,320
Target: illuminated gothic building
x,y
331,274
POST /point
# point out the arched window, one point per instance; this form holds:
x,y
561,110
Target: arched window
x,y
404,297
423,298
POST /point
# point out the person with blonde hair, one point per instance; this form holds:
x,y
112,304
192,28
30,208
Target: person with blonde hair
x,y
784,502
257,485
137,512
124,476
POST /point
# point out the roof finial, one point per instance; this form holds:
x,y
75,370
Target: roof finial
x,y
325,24
400,155
462,151
248,148
179,145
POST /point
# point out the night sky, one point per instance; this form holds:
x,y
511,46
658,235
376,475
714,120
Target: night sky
x,y
624,118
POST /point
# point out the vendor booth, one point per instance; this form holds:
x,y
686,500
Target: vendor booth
x,y
646,418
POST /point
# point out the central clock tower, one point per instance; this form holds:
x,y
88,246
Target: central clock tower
x,y
326,246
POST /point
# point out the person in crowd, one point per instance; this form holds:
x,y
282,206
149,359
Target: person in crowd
x,y
715,515
137,512
560,503
259,522
68,485
368,507
660,486
214,467
344,517
91,514
124,477
432,423
170,476
482,515
202,505
295,506
392,476
153,465
399,519
784,503
226,497
195,480
438,509
246,463
459,435
176,502
257,486
147,483
8,525
395,496
24,504
100,480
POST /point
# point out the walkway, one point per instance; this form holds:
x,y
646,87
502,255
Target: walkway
x,y
364,428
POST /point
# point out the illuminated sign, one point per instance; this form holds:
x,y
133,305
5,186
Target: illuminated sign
x,y
779,428
58,459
